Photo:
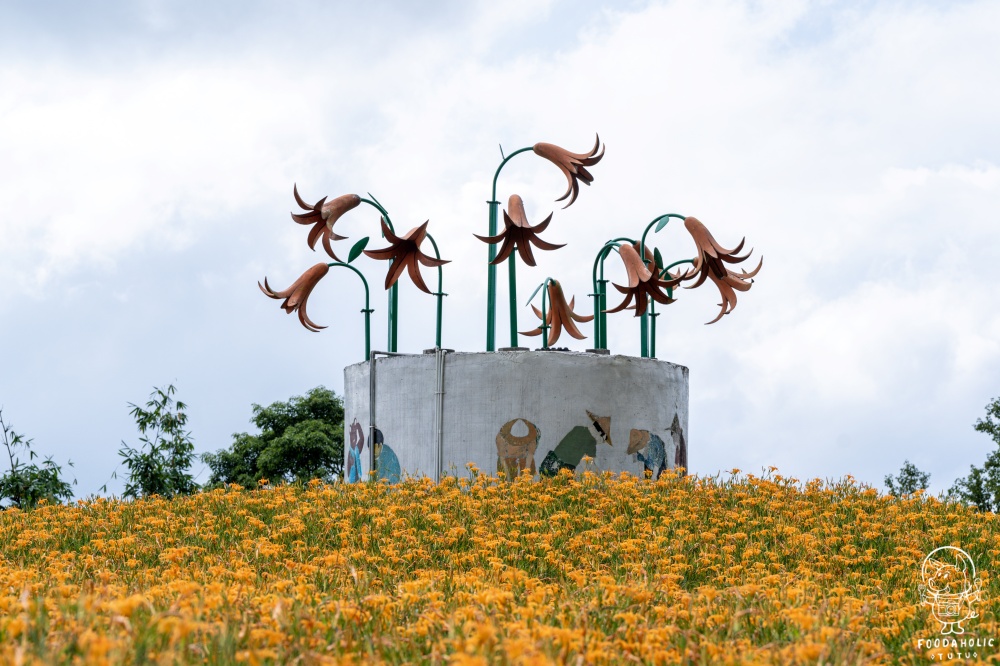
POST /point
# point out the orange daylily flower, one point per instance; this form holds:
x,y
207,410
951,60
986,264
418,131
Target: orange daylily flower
x,y
573,165
560,315
404,251
643,283
297,294
711,263
323,215
518,233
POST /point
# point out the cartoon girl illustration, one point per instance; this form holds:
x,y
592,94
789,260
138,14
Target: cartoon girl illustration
x,y
354,452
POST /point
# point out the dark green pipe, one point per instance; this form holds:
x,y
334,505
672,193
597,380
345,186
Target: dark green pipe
x,y
440,293
393,295
491,276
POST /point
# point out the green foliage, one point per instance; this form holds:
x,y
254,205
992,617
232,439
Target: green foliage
x,y
300,439
25,485
908,481
982,487
161,465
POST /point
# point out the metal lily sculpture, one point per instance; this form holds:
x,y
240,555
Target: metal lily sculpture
x,y
403,253
323,215
711,263
643,284
558,315
574,167
519,234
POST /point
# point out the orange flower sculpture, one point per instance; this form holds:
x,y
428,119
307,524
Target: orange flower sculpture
x,y
518,233
573,165
560,315
711,264
297,294
643,283
323,215
404,251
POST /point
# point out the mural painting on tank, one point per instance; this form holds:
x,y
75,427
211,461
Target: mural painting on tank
x,y
357,444
516,445
680,444
579,442
386,462
655,454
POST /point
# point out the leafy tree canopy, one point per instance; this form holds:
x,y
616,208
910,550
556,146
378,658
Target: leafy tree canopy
x,y
982,487
27,483
908,481
300,439
162,463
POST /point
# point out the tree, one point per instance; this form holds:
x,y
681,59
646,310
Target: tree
x,y
909,480
982,487
25,485
161,465
300,439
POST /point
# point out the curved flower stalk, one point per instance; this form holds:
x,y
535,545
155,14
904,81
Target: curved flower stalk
x,y
560,315
297,294
519,233
711,264
404,251
573,165
643,284
323,215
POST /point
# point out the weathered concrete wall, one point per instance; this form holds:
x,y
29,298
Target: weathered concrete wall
x,y
513,410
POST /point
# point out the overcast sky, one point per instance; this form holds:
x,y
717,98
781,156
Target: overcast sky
x,y
148,151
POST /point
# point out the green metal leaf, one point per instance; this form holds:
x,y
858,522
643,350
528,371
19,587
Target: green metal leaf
x,y
357,249
658,258
662,223
535,292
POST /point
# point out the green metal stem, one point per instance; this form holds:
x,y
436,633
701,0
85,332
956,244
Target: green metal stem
x,y
644,335
368,311
545,317
642,243
491,277
439,294
393,296
676,263
653,314
512,288
491,283
601,287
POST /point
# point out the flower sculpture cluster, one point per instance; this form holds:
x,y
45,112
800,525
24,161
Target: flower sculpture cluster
x,y
403,253
648,280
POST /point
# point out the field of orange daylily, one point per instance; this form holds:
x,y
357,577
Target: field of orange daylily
x,y
591,569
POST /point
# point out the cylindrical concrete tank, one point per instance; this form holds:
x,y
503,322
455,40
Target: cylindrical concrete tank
x,y
508,411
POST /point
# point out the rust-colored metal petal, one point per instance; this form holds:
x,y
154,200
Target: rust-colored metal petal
x,y
572,165
635,268
515,207
298,293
